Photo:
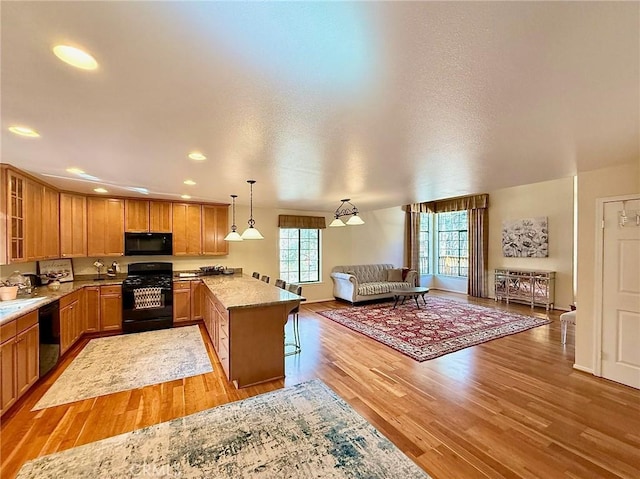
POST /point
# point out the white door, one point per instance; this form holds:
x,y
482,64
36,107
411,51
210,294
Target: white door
x,y
621,293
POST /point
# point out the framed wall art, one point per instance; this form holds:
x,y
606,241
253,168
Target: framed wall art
x,y
51,269
528,238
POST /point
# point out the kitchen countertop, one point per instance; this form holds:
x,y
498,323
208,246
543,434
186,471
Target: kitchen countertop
x,y
241,291
233,291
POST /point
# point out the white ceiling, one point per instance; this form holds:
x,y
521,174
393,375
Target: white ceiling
x,y
385,103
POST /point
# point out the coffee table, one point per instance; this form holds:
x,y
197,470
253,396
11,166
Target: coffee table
x,y
409,293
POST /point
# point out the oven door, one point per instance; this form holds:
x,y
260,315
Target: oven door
x,y
146,307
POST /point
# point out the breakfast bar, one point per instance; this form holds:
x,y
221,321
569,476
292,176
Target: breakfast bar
x,y
245,319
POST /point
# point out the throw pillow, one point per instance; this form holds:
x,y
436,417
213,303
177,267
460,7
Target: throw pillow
x,y
405,272
394,275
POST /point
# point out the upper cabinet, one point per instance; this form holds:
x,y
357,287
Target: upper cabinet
x,y
187,225
143,216
105,227
32,214
73,225
215,222
16,210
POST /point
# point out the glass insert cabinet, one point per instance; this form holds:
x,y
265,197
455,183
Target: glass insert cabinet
x,y
533,287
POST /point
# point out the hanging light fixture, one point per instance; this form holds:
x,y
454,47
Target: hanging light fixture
x,y
251,233
233,235
346,211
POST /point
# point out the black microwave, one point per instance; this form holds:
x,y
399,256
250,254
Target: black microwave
x,y
147,244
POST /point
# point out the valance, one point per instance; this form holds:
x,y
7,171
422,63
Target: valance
x,y
302,222
459,203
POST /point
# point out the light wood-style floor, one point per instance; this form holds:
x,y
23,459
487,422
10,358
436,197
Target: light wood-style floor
x,y
512,407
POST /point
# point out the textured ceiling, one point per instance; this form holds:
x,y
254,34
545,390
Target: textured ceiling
x,y
385,103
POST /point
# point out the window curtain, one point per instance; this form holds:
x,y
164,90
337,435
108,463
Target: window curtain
x,y
477,217
302,222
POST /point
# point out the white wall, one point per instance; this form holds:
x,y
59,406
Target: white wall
x,y
379,240
592,185
553,199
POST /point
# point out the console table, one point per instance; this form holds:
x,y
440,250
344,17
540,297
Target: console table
x,y
531,286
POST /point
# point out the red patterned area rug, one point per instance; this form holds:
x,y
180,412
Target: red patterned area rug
x,y
441,327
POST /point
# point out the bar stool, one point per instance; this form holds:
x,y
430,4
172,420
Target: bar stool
x,y
265,278
295,289
280,283
565,320
256,275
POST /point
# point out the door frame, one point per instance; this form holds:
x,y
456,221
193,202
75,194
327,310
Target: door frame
x,y
598,277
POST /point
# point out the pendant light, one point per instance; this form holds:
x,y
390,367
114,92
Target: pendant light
x,y
251,233
233,235
349,210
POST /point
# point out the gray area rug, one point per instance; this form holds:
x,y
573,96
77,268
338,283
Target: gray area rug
x,y
130,361
300,432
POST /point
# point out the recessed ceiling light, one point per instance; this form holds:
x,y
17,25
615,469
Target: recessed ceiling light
x,y
76,171
24,131
75,57
189,182
185,197
100,190
196,155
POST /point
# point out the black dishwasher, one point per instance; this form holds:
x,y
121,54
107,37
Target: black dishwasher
x,y
49,321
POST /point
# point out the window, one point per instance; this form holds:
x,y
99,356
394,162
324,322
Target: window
x,y
423,254
299,255
444,244
453,244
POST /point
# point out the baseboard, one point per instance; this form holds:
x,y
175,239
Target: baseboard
x,y
583,369
318,300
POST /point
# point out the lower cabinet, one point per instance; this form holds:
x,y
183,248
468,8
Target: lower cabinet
x,y
71,320
19,358
181,301
92,309
197,300
111,308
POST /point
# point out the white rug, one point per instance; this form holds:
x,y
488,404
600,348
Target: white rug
x,y
305,431
130,361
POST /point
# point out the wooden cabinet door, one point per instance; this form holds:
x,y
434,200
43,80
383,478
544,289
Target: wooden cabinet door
x,y
27,358
160,217
111,308
105,227
136,216
187,238
181,301
16,223
33,216
215,222
73,226
66,328
197,300
50,223
92,309
8,386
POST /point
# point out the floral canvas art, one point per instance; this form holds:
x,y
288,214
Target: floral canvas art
x,y
527,237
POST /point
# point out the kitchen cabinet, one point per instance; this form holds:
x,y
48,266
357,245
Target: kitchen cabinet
x,y
181,301
33,216
50,223
215,225
105,226
92,309
160,217
111,308
143,216
19,358
71,320
197,300
73,226
16,211
187,229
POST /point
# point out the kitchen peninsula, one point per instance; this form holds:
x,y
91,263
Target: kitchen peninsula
x,y
245,319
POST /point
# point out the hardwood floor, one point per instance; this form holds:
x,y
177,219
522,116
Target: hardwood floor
x,y
512,407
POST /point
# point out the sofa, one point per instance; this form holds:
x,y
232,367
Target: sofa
x,y
367,282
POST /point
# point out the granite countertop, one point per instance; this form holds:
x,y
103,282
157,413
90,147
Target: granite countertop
x,y
233,291
241,291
